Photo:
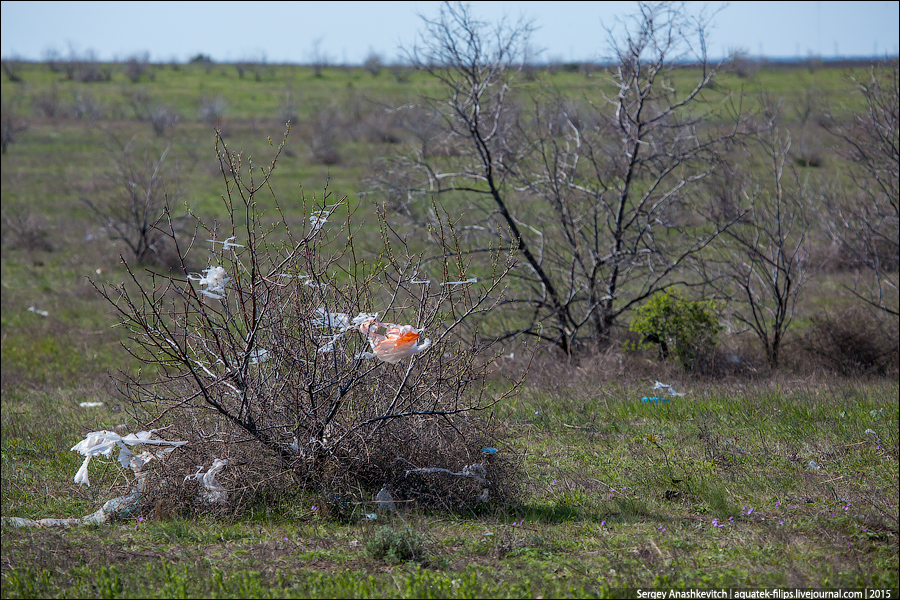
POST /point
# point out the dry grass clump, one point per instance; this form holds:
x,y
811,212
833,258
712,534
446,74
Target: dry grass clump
x,y
425,462
854,343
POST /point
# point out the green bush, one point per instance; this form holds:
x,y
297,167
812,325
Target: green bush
x,y
683,329
396,546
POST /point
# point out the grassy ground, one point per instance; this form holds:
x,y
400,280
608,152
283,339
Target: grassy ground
x,y
786,486
780,479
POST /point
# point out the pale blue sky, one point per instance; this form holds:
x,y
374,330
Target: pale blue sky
x,y
346,32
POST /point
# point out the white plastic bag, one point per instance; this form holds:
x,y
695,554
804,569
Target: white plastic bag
x,y
211,490
105,442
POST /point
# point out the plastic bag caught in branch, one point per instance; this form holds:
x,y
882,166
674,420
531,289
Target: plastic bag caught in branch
x,y
397,341
105,443
210,489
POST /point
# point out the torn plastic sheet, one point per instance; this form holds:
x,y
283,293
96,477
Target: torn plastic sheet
x,y
669,389
210,489
227,244
384,501
104,443
475,471
397,342
215,279
464,282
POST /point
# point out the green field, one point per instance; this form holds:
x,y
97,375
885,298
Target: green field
x,y
755,477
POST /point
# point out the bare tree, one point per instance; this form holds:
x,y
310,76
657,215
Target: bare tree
x,y
766,256
319,58
865,221
588,192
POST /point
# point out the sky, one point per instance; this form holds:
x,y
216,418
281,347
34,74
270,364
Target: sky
x,y
349,32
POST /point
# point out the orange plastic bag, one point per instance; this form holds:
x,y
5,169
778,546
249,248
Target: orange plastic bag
x,y
397,341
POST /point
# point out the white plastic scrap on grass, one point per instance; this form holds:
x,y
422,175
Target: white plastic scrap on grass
x,y
104,443
210,489
38,312
669,389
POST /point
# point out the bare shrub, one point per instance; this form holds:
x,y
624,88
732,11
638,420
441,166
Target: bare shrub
x,y
12,68
325,126
262,363
766,261
53,59
48,103
854,343
865,220
11,122
26,231
162,118
86,106
287,112
401,73
136,66
373,64
212,109
142,188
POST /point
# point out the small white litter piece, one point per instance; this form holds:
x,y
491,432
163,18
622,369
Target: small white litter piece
x,y
211,490
38,312
668,388
89,404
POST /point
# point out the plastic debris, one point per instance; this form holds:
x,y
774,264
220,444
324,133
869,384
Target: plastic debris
x,y
654,400
317,219
259,355
211,490
384,501
215,279
470,280
104,443
669,389
813,465
489,450
227,244
89,404
122,507
475,471
396,343
38,312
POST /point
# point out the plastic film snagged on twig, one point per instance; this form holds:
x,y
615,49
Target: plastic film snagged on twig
x,y
397,341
